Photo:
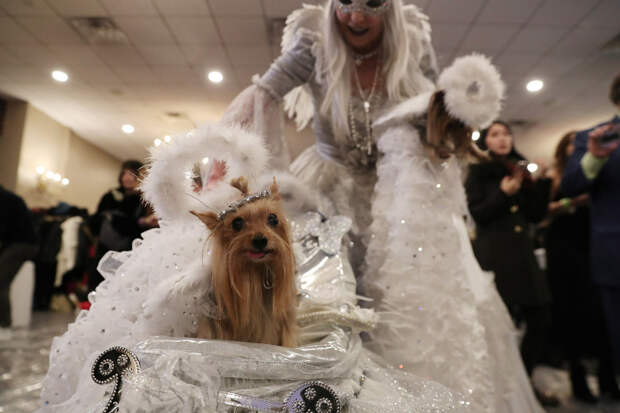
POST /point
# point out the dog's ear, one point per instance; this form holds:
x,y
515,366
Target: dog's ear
x,y
275,195
241,184
208,218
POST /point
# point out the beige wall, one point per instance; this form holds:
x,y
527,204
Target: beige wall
x,y
47,143
11,142
91,172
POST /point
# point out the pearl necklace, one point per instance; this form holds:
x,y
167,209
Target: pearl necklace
x,y
364,143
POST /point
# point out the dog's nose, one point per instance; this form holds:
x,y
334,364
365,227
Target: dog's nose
x,y
259,241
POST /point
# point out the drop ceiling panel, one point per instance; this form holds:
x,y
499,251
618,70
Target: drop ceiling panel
x,y
75,54
12,33
448,36
194,30
129,8
517,64
501,11
205,55
34,54
145,30
557,65
176,74
563,13
162,55
450,11
135,74
119,55
50,29
606,14
584,41
536,39
243,30
236,8
82,8
26,7
282,8
95,74
183,7
490,37
250,55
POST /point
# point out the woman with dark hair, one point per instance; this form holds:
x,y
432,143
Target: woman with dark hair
x,y
504,199
577,309
121,217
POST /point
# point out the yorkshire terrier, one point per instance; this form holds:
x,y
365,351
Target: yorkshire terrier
x,y
253,270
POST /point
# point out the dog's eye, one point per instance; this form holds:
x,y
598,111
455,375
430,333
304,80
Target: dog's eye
x,y
237,224
272,219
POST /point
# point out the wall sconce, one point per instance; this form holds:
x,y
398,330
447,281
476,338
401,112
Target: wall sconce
x,y
47,180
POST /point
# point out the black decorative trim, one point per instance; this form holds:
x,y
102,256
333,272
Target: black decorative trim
x,y
313,396
110,366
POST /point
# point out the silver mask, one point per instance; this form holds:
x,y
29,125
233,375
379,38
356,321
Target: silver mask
x,y
368,7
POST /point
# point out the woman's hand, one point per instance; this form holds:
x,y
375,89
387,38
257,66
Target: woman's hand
x,y
511,184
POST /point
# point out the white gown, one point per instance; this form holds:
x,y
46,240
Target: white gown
x,y
153,296
442,315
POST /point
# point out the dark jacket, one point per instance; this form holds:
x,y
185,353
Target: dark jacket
x,y
15,221
502,243
123,211
604,193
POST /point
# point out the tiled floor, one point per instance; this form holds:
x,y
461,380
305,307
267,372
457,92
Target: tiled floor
x,y
24,360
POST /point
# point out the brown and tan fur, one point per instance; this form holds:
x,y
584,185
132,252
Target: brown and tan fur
x,y
252,313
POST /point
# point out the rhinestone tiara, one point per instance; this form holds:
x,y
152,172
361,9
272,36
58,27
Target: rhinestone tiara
x,y
243,201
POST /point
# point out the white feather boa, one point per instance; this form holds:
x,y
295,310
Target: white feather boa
x,y
168,184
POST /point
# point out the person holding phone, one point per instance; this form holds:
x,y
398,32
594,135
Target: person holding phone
x,y
594,167
504,199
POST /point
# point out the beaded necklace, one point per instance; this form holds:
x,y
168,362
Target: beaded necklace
x,y
364,142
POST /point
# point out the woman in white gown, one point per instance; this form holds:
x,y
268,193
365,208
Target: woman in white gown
x,y
408,238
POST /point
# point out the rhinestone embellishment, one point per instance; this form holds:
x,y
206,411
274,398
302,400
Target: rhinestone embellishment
x,y
109,367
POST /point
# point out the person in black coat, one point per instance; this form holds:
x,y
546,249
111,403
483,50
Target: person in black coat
x,y
17,245
578,321
120,218
594,167
504,199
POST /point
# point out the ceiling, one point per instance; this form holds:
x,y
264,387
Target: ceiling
x,y
173,43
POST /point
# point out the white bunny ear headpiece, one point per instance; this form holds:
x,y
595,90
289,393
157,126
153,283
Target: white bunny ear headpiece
x,y
170,183
473,90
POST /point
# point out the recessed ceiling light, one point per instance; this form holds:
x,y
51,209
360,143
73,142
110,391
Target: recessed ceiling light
x,y
157,142
128,129
49,175
475,135
40,170
535,85
64,181
57,177
167,139
532,167
215,76
205,160
60,76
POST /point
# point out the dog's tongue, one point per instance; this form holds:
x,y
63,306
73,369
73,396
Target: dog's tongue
x,y
256,255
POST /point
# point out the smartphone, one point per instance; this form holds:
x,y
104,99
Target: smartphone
x,y
611,136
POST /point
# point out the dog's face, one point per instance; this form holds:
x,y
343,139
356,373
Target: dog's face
x,y
256,233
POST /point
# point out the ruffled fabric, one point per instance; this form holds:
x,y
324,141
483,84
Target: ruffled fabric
x,y
443,316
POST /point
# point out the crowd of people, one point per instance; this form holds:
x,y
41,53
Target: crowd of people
x,y
392,134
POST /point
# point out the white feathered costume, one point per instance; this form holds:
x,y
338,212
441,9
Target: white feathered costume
x,y
153,296
447,320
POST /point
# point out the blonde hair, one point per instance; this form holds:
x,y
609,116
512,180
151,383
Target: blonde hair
x,y
401,48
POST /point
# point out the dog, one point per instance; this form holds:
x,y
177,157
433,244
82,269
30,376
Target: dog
x,y
253,270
